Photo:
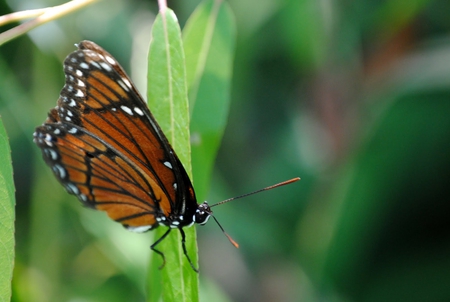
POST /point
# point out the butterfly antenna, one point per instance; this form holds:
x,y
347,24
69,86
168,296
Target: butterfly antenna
x,y
236,245
286,182
257,191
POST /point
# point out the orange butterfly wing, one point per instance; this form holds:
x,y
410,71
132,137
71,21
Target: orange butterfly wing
x,y
105,147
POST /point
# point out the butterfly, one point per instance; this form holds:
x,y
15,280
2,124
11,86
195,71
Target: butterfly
x,y
104,146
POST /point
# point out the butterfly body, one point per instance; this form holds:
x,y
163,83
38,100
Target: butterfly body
x,y
104,146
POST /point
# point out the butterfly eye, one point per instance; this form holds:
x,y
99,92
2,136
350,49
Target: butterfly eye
x,y
203,213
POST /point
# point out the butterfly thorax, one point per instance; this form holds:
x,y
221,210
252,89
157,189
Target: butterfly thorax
x,y
200,216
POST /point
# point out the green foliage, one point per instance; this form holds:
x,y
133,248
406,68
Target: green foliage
x,y
7,203
382,171
208,40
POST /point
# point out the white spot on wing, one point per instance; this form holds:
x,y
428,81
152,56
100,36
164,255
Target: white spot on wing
x,y
79,93
168,164
83,197
127,82
72,103
110,60
122,84
84,65
138,111
95,64
106,66
52,154
60,171
126,109
72,188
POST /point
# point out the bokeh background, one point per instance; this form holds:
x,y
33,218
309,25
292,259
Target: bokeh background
x,y
352,96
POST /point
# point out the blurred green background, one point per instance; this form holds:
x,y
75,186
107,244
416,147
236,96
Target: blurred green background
x,y
352,96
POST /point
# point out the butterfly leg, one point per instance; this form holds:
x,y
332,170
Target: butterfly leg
x,y
152,247
183,243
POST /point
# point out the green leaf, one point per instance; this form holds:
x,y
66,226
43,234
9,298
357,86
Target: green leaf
x,y
395,194
167,97
7,203
209,38
209,41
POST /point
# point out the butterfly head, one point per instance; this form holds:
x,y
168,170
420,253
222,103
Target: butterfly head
x,y
202,213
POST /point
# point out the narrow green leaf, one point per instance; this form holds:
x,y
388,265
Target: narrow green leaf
x,y
7,203
209,38
167,97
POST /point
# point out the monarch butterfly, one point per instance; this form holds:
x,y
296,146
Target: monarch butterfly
x,y
104,146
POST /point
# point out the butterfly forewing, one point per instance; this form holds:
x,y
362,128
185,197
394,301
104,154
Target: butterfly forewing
x,y
104,145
